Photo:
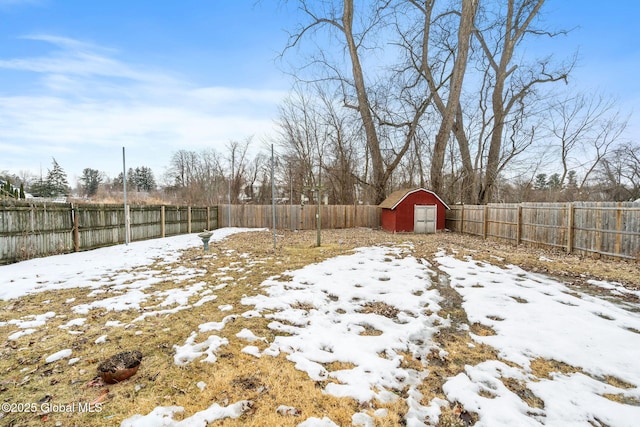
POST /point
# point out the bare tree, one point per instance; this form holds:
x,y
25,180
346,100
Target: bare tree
x,y
510,84
196,178
302,138
237,152
340,163
452,81
254,170
357,90
584,128
619,173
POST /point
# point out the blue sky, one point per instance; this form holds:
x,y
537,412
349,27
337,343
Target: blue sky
x,y
80,79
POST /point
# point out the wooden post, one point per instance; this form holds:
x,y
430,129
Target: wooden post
x,y
570,220
76,229
519,226
462,220
208,218
188,219
618,228
485,222
598,245
163,225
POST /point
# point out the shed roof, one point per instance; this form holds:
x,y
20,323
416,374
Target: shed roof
x,y
398,196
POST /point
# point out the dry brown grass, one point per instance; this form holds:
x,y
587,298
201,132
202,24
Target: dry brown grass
x,y
267,381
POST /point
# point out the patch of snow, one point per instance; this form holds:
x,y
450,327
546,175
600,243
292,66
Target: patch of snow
x,y
216,326
163,416
362,419
62,354
318,422
205,300
252,350
16,335
74,322
35,321
247,335
190,351
113,324
251,313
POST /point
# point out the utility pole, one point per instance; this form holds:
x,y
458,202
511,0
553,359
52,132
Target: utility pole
x,y
126,208
273,197
318,191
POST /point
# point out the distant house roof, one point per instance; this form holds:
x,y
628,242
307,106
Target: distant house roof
x,y
398,196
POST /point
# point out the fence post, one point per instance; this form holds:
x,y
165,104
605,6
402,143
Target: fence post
x,y
485,222
76,228
462,221
188,219
163,224
618,228
598,246
208,218
519,226
570,219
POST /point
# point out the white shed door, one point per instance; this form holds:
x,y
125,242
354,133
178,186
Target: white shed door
x,y
424,218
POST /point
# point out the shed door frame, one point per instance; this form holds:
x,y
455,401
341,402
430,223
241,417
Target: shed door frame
x,y
425,218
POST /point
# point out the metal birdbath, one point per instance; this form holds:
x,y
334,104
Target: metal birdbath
x,y
205,236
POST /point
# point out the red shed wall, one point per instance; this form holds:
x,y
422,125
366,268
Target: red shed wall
x,y
403,221
388,219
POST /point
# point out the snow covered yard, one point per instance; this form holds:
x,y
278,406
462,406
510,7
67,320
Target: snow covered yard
x,y
403,330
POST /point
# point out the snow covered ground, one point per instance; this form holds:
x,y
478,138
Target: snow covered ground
x,y
368,310
537,317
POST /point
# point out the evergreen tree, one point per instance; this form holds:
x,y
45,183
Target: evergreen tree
x,y
143,179
554,182
8,190
91,179
541,181
138,179
22,195
116,184
57,183
40,188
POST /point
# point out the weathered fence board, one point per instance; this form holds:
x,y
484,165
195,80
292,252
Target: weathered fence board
x,y
609,229
296,217
29,230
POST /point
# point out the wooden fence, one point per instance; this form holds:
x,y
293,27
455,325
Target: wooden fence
x,y
31,230
296,217
610,229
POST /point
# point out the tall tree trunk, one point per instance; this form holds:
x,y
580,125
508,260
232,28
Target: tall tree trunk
x,y
465,29
468,177
516,22
378,180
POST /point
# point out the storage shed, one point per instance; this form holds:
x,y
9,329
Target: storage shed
x,y
413,210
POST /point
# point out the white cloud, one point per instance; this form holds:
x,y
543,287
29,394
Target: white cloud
x,y
85,100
